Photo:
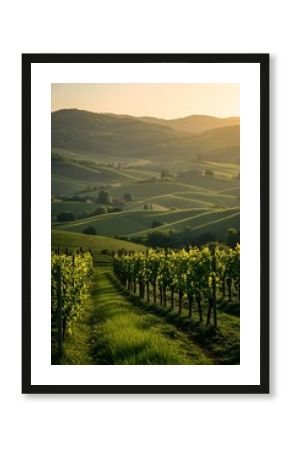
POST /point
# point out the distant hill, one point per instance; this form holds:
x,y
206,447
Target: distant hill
x,y
109,135
105,134
195,123
220,144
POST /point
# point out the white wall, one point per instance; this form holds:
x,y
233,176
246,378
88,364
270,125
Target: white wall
x,y
124,422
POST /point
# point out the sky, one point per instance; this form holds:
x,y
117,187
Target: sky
x,y
166,101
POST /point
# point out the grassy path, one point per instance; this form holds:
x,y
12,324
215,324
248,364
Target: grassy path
x,y
112,330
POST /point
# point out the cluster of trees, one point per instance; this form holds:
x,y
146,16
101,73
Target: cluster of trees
x,y
148,206
233,237
148,180
57,157
186,237
165,174
74,198
209,173
156,223
106,198
103,197
128,198
90,230
84,162
103,210
67,216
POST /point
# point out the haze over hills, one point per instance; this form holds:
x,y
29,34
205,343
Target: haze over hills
x,y
195,123
110,135
123,176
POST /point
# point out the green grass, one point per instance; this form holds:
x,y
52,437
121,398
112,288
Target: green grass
x,y
69,240
183,199
117,328
223,344
220,169
87,174
133,223
177,201
61,185
76,208
115,224
227,199
217,222
207,182
128,222
113,331
140,173
148,189
69,177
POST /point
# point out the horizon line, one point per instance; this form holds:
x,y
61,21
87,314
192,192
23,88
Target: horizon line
x,y
146,116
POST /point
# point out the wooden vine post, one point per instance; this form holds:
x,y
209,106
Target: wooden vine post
x,y
172,297
180,297
214,289
147,279
198,300
190,304
59,313
212,297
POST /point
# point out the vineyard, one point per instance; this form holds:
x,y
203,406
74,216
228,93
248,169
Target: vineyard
x,y
194,275
70,282
100,309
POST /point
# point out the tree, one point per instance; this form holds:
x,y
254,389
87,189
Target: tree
x,y
66,216
100,210
128,197
104,197
205,238
165,173
156,223
233,237
160,238
89,230
115,209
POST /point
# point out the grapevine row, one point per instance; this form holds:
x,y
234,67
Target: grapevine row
x,y
70,280
192,275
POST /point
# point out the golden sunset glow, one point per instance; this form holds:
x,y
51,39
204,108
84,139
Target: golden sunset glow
x,y
166,101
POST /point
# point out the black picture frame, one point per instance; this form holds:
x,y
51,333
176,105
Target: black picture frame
x,y
27,61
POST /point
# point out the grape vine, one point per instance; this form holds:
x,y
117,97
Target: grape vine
x,y
70,281
190,275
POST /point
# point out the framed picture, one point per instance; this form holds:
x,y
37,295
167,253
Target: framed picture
x,y
145,223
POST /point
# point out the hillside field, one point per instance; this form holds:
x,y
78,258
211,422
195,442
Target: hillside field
x,y
157,175
145,223
69,240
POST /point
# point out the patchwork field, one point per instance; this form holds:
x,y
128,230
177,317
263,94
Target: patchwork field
x,y
121,185
145,191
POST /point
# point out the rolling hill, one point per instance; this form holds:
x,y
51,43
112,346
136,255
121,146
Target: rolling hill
x,y
96,135
194,123
133,223
179,174
98,244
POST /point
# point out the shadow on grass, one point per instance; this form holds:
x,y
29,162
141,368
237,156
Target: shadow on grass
x,y
221,344
122,334
232,307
